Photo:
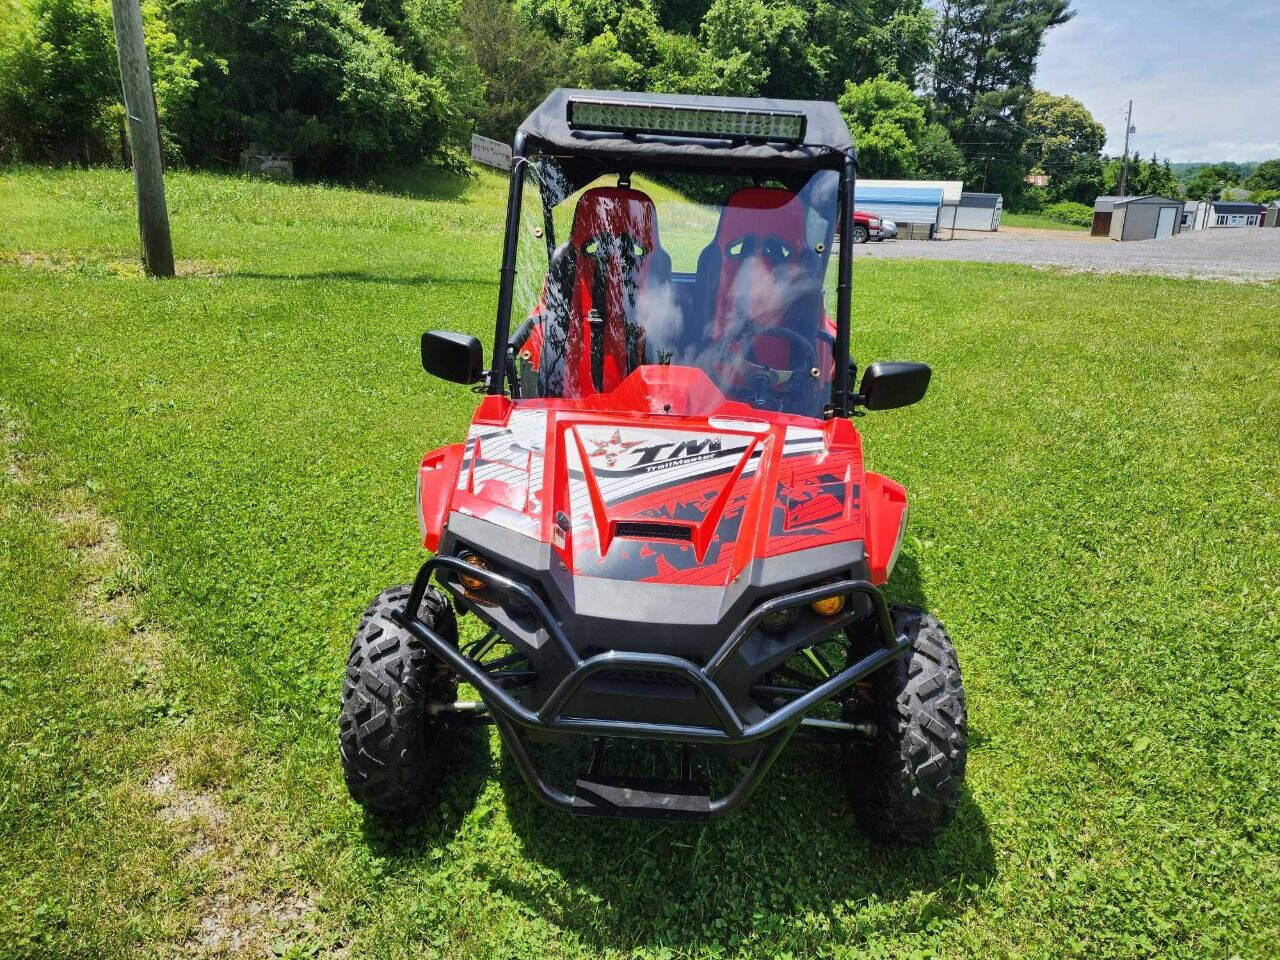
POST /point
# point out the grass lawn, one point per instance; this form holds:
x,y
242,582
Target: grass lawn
x,y
1037,220
203,481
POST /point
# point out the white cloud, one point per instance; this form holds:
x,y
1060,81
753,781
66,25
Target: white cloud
x,y
1203,78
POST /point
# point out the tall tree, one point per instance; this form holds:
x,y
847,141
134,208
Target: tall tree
x,y
981,80
781,48
1065,141
1210,181
1145,177
520,63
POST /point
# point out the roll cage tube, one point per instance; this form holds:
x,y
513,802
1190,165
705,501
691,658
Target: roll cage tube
x,y
841,389
507,275
840,392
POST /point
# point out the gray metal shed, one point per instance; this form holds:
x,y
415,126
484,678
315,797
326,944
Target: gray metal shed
x,y
1145,218
979,211
1273,214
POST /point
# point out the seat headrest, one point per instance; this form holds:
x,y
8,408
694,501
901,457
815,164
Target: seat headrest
x,y
613,211
759,211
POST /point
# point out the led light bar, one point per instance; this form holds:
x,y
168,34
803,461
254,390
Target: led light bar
x,y
665,119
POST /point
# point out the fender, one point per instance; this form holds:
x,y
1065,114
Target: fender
x,y
437,479
885,512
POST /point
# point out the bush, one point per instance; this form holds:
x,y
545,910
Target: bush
x,y
1068,211
57,83
338,84
317,80
1030,200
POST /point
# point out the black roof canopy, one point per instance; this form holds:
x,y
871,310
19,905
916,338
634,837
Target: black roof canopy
x,y
824,145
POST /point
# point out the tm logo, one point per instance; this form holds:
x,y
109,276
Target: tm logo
x,y
683,450
654,456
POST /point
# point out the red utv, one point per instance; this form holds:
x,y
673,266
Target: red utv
x,y
660,515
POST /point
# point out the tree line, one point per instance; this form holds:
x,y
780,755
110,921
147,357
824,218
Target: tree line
x,y
936,90
1214,181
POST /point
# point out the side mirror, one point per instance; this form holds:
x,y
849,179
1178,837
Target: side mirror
x,y
456,357
889,385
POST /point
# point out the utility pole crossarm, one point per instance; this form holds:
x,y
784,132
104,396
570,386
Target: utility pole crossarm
x,y
144,138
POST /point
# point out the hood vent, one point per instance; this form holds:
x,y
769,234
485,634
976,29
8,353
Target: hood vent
x,y
652,530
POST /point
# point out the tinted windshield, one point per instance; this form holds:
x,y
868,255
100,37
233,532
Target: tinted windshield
x,y
723,274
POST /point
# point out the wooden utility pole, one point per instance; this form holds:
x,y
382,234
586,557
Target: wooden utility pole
x,y
144,138
1124,164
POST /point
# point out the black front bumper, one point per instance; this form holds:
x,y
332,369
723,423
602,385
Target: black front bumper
x,y
770,733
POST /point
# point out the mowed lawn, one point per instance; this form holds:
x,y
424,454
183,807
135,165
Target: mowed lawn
x,y
1036,220
203,482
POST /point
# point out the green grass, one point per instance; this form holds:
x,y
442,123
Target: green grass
x,y
1037,220
203,481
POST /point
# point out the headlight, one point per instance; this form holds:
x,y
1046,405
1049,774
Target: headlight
x,y
780,621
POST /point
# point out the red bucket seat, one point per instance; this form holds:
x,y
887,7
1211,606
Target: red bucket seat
x,y
600,285
759,272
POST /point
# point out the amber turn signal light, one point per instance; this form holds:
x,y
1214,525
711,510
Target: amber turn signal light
x,y
828,606
470,581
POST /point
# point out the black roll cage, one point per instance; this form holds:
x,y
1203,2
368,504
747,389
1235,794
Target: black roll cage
x,y
841,388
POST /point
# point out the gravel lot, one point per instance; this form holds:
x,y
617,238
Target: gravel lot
x,y
1239,255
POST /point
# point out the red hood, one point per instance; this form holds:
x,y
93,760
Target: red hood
x,y
630,495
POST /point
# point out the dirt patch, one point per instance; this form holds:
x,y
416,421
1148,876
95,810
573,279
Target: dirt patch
x,y
12,463
67,263
239,912
110,588
184,806
37,261
237,918
238,928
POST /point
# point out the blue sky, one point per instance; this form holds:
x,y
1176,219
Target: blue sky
x,y
1204,76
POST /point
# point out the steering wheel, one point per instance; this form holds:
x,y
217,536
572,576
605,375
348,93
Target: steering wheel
x,y
763,381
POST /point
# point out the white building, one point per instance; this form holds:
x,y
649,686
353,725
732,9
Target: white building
x,y
951,189
1233,213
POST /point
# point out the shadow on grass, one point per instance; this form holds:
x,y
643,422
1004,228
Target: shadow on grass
x,y
790,862
360,276
905,586
416,183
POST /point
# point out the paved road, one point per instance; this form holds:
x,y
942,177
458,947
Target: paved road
x,y
1241,254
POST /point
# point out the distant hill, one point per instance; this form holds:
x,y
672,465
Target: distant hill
x,y
1185,171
